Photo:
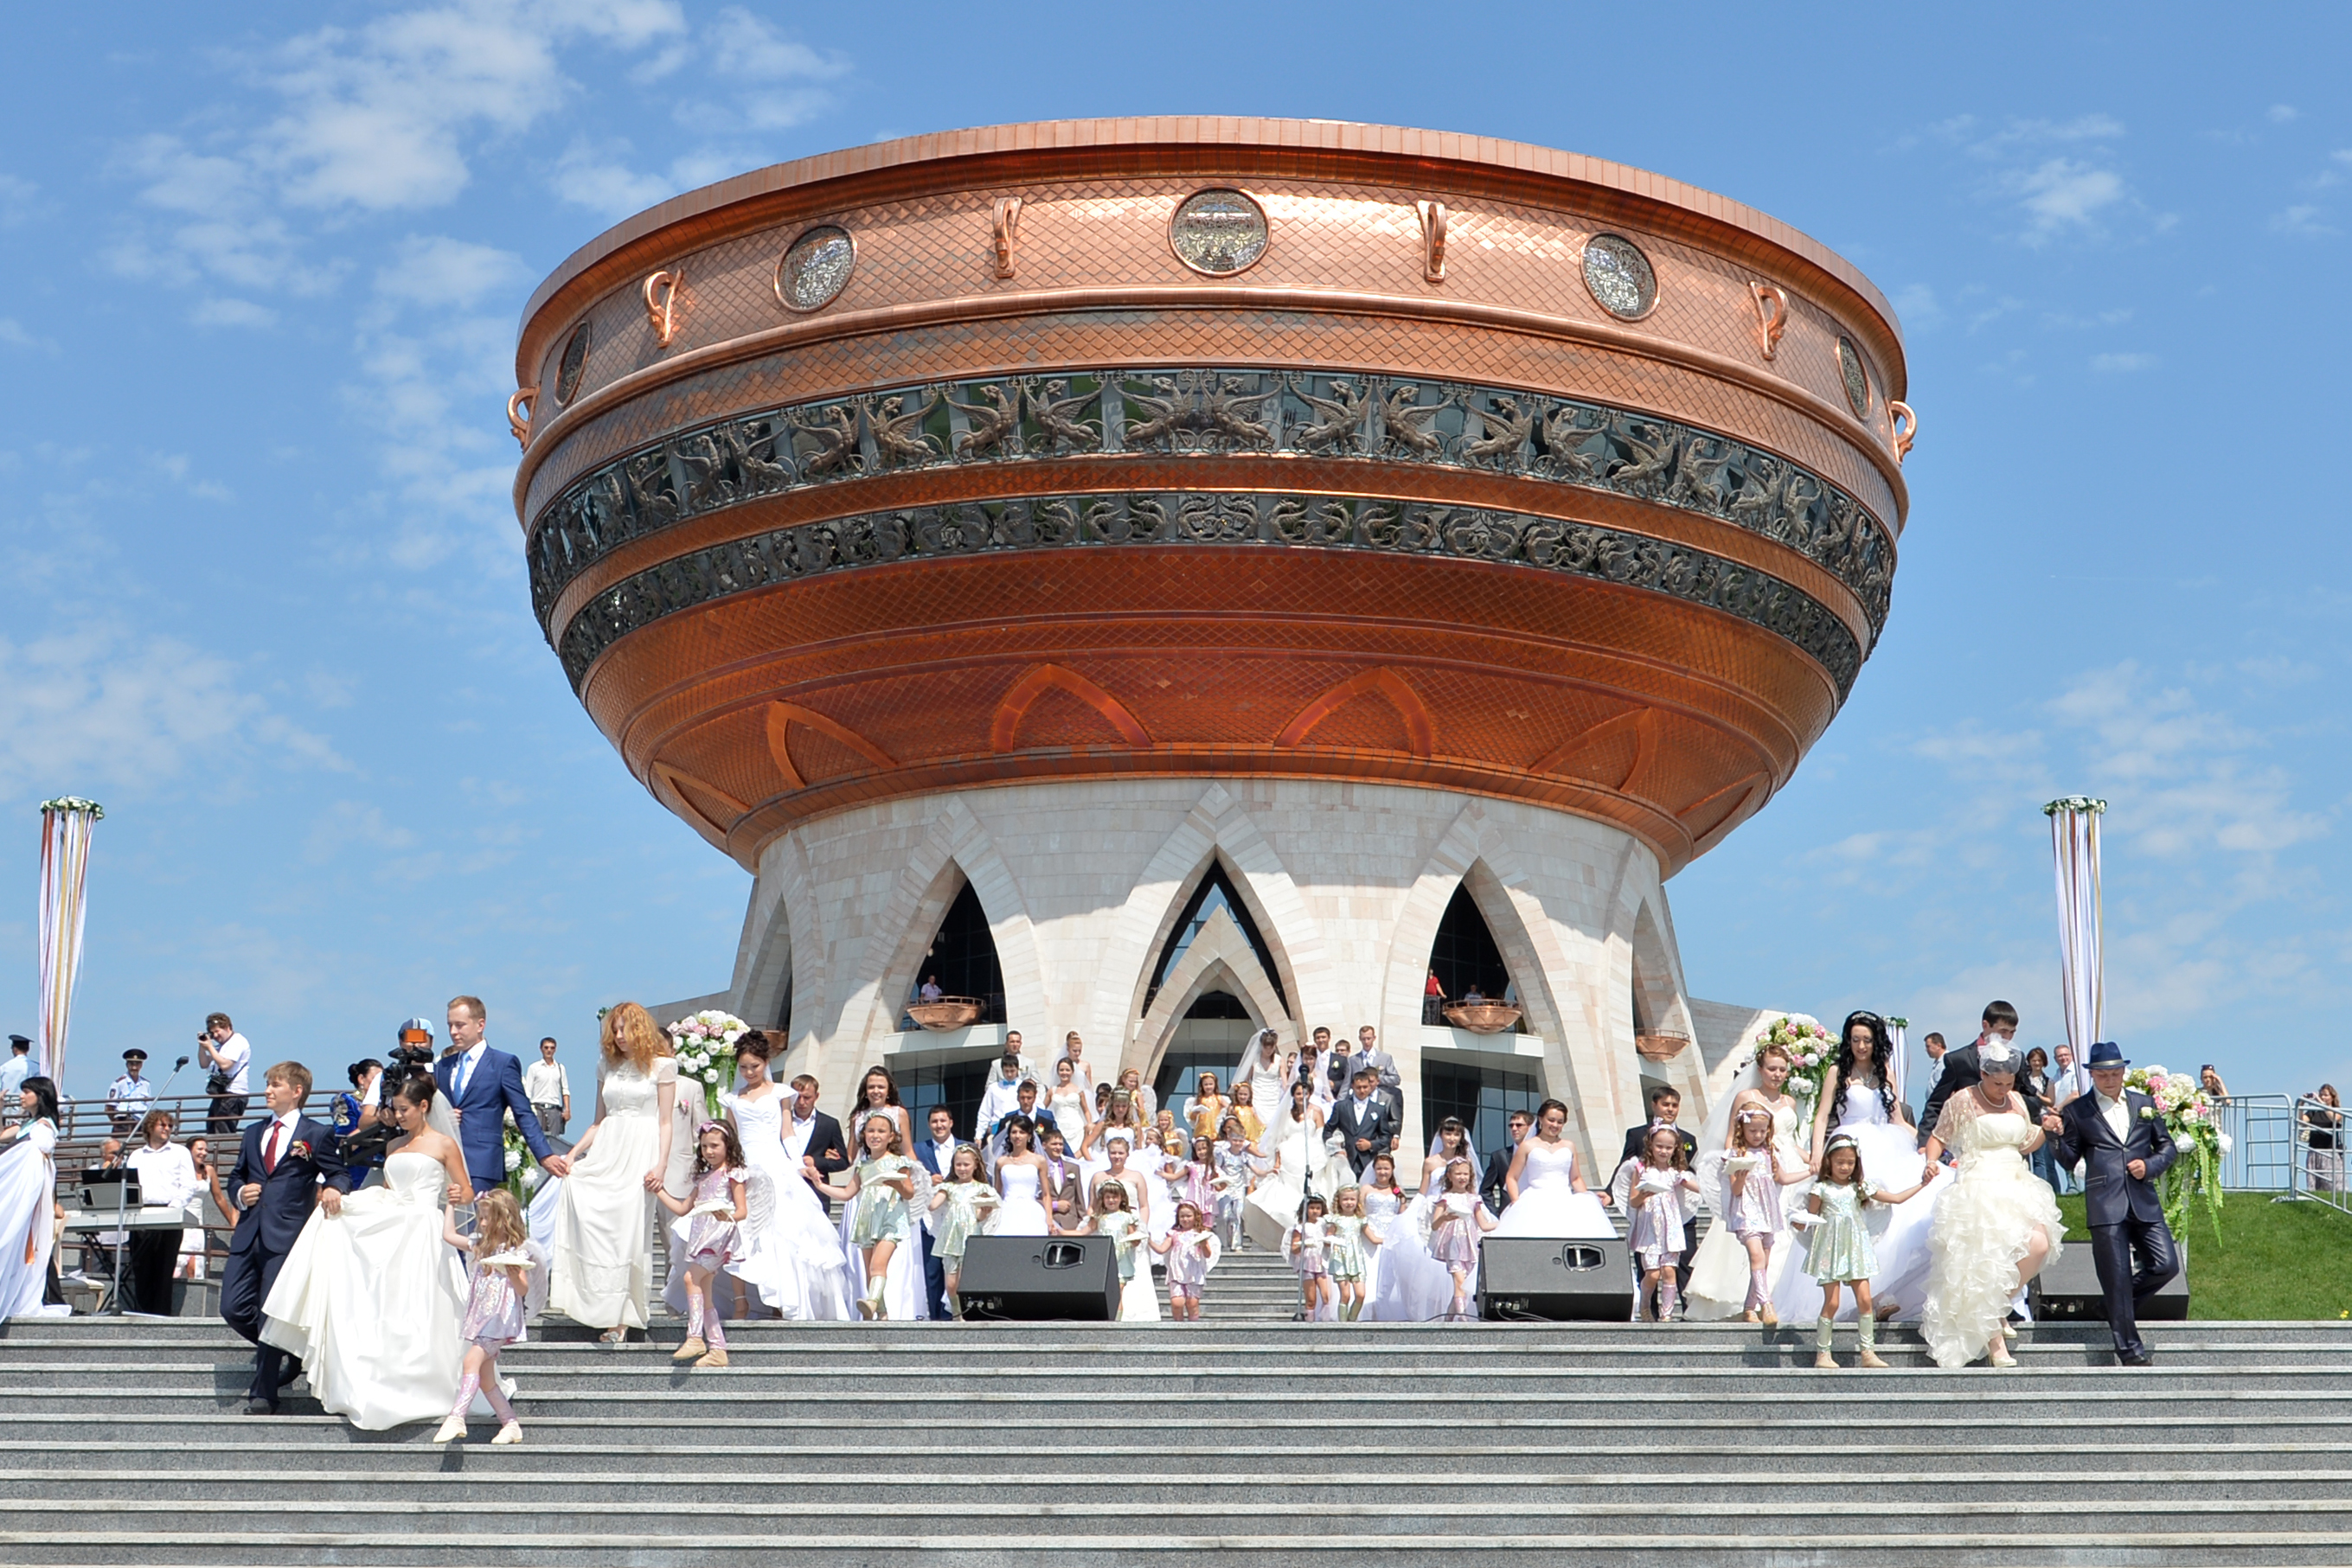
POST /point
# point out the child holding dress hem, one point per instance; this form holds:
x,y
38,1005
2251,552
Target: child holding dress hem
x,y
505,1259
718,1203
1838,1250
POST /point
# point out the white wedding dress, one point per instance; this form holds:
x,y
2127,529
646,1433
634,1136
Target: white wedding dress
x,y
29,1185
1022,1211
1406,1285
1299,1152
372,1301
602,1249
797,1265
1548,1204
1982,1228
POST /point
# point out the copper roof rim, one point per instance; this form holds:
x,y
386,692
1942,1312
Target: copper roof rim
x,y
1696,207
895,318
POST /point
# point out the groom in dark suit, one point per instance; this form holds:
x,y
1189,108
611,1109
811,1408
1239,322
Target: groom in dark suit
x,y
937,1153
2120,1136
286,1164
481,1086
1365,1121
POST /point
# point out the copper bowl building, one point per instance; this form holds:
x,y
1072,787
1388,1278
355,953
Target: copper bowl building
x,y
1165,577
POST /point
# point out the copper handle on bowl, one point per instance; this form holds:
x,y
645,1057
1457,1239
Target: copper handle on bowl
x,y
1771,316
1906,425
519,407
662,313
1004,219
1433,240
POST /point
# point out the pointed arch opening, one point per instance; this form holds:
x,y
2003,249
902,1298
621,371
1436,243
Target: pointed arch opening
x,y
961,960
1467,961
1215,892
1209,1039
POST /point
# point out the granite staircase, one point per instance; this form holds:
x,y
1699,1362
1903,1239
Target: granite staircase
x,y
1234,1441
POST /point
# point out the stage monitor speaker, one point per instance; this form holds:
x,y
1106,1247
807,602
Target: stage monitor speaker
x,y
2069,1292
1559,1280
1034,1279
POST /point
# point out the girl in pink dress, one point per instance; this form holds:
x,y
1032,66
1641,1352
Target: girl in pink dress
x,y
718,1206
496,1306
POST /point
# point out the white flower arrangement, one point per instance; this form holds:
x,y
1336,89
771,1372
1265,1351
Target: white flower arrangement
x,y
705,1043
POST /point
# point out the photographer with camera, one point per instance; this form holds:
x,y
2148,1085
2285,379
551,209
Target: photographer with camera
x,y
373,1086
227,1054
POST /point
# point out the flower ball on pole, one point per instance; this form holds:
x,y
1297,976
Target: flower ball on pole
x,y
705,1042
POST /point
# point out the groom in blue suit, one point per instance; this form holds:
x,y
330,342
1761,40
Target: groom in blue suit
x,y
481,1086
2120,1136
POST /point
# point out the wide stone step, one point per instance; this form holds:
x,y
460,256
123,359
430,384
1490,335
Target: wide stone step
x,y
1529,1489
426,1542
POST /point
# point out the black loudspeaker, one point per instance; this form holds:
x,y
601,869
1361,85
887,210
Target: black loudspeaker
x,y
1032,1279
1563,1282
2069,1292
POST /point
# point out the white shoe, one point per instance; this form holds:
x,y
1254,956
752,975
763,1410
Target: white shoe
x,y
510,1432
453,1430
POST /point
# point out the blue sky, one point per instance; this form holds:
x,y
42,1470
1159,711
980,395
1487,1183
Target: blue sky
x,y
261,590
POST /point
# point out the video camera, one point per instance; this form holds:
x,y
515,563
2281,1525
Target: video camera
x,y
410,1057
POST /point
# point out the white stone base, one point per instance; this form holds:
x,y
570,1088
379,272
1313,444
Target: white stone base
x,y
1082,882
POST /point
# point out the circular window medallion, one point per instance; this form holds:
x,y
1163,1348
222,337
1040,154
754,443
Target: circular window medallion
x,y
574,363
1619,276
1218,232
1856,376
816,268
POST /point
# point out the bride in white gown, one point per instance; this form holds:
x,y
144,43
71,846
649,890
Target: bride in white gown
x,y
1997,1226
1719,1271
1858,1099
28,1189
1548,1198
798,1260
1296,1140
602,1249
1020,1186
373,1295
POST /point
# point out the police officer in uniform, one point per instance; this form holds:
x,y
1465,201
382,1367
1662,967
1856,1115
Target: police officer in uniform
x,y
127,1097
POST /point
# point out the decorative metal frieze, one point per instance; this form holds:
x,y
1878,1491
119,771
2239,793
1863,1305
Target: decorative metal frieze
x,y
1328,414
1194,518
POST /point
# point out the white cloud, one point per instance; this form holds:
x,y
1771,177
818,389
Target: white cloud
x,y
2122,364
2304,220
747,50
435,351
13,333
2061,193
2280,114
16,199
376,118
106,707
1918,305
600,182
233,313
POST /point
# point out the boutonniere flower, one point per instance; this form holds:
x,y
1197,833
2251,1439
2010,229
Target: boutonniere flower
x,y
300,1149
2148,1112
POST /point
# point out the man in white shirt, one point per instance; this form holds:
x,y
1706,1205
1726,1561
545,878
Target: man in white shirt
x,y
226,1055
548,1089
13,1073
1003,1095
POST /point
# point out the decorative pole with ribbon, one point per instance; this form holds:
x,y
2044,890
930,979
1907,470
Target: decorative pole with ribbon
x,y
2074,844
66,824
1898,1066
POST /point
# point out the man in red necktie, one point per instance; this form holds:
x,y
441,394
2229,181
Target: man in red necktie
x,y
287,1165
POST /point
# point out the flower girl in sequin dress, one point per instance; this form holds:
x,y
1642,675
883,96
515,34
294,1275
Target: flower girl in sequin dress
x,y
1190,1248
1752,1179
506,1259
959,1203
1114,1216
1657,1191
1838,1250
879,1185
1348,1251
713,1211
1303,1246
1457,1218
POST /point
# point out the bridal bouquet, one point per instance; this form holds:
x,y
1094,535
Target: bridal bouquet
x,y
706,1052
1812,1050
523,1175
2187,1112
